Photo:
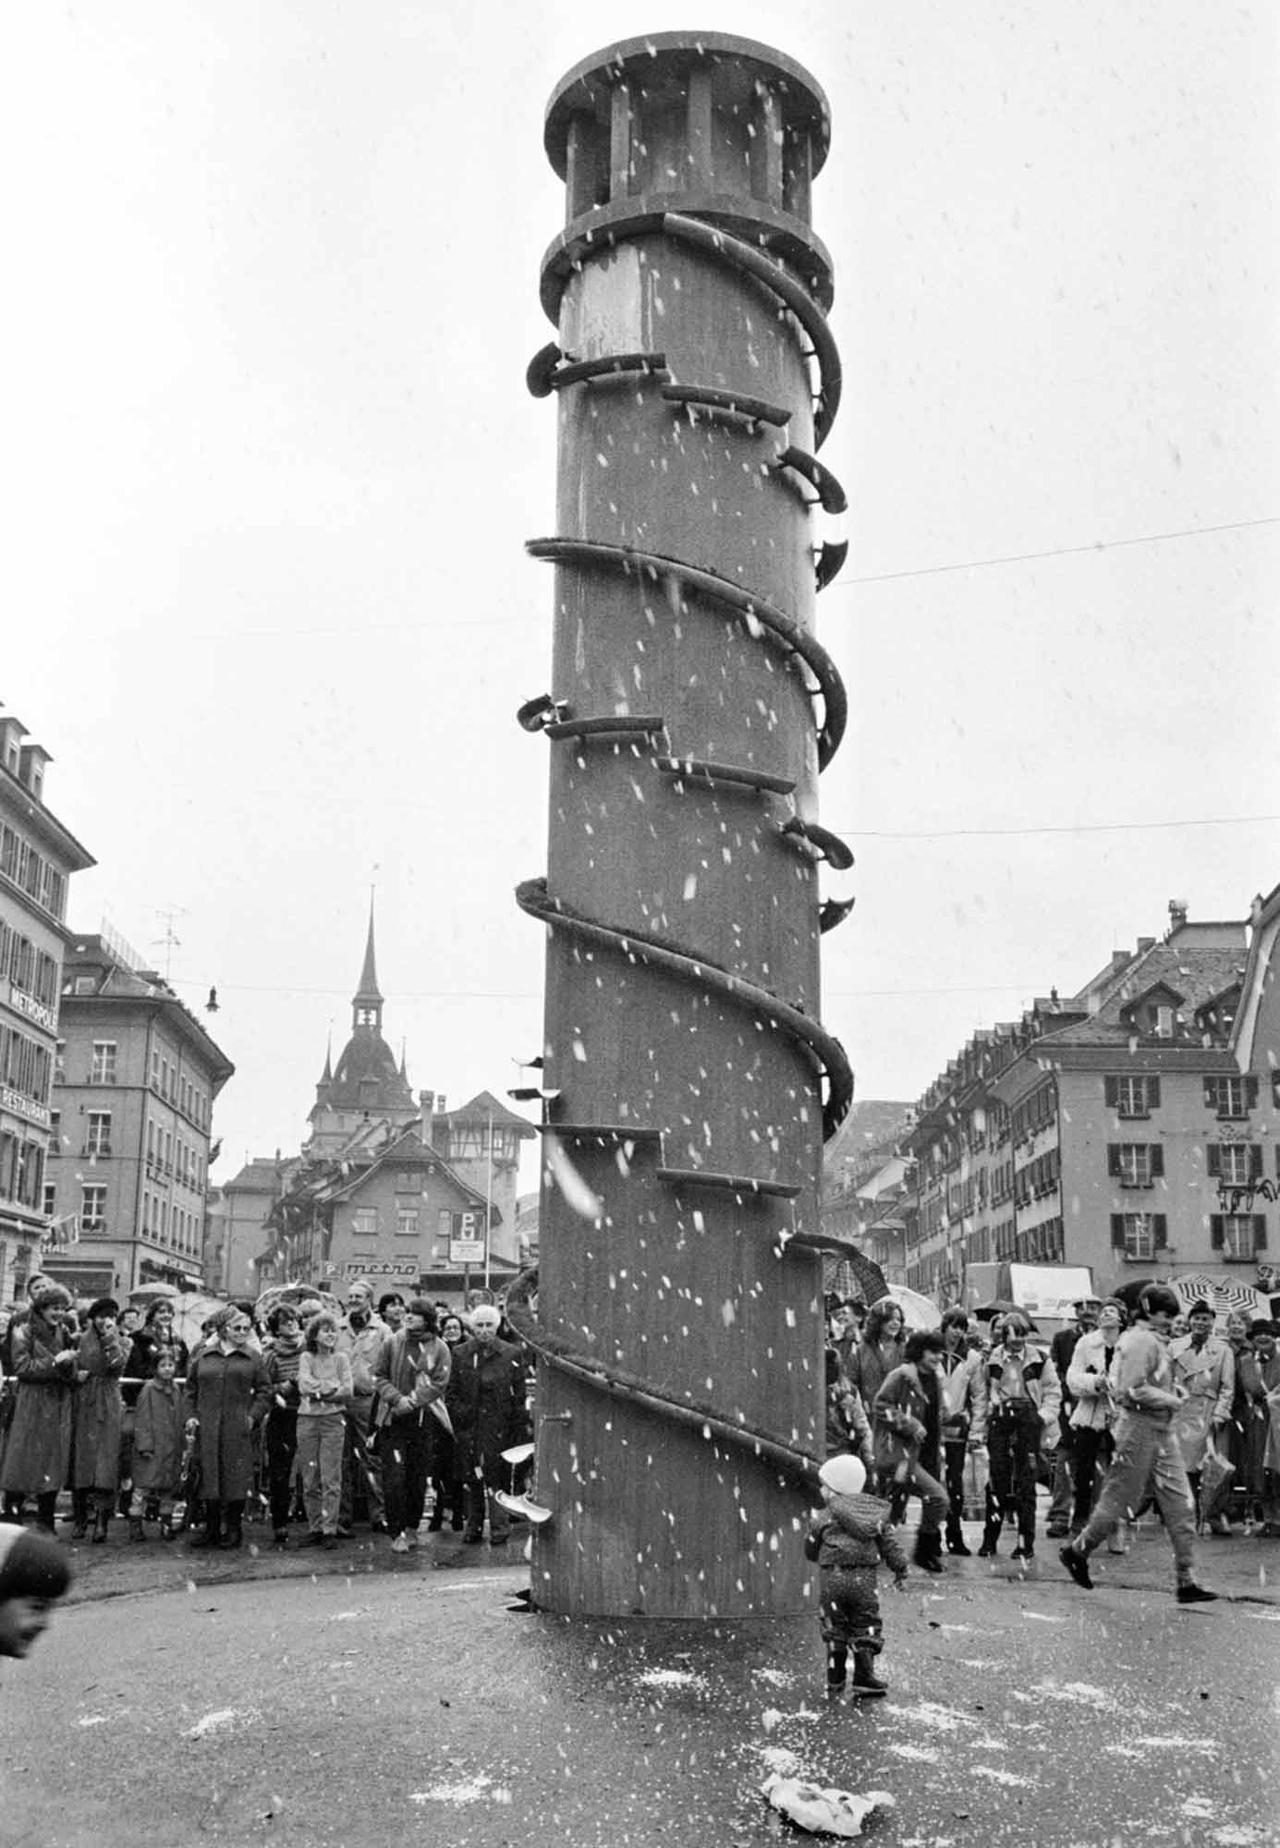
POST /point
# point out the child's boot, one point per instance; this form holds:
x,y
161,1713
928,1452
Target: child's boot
x,y
136,1529
867,1685
837,1668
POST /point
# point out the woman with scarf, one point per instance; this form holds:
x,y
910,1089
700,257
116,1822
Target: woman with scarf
x,y
98,1419
37,1455
228,1394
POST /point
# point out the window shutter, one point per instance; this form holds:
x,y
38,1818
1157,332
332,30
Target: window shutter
x,y
1259,1231
1111,1092
1162,1230
1210,1094
1153,1093
1214,1159
1113,1158
1215,1231
1251,1093
1117,1230
1157,1161
1255,1161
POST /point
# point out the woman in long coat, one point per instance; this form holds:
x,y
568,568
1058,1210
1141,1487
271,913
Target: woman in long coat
x,y
229,1394
98,1418
38,1452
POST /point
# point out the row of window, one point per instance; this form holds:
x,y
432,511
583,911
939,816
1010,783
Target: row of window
x,y
25,1064
31,969
32,873
364,1222
1034,1113
174,1155
1038,1178
1238,1236
170,1081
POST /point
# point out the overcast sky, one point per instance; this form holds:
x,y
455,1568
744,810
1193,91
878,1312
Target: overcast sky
x,y
272,288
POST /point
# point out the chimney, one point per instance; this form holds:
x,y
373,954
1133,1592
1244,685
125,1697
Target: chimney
x,y
427,1105
1145,944
1177,914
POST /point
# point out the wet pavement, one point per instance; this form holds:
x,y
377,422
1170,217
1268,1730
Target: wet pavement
x,y
359,1698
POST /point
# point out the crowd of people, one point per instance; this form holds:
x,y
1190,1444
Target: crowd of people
x,y
1123,1411
313,1415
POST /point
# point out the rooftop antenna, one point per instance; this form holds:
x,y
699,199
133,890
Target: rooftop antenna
x,y
171,940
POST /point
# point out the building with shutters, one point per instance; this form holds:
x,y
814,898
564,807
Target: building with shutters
x,y
387,1185
137,1077
38,855
1131,1128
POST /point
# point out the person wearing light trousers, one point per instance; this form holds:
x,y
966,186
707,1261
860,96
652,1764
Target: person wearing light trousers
x,y
1147,1457
324,1392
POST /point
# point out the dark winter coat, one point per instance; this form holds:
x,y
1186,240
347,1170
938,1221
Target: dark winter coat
x,y
869,1366
229,1391
157,1437
486,1401
98,1411
906,1419
37,1455
853,1531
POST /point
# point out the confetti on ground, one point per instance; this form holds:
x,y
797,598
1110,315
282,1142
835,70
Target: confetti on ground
x,y
670,1678
997,1776
478,1789
222,1720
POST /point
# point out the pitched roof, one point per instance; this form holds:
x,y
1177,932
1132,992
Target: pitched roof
x,y
483,1108
1196,975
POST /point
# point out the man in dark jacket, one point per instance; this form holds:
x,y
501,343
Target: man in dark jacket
x,y
487,1404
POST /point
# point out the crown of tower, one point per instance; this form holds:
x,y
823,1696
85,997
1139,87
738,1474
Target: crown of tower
x,y
366,1003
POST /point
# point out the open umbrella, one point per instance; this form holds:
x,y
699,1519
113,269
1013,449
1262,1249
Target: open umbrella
x,y
1224,1296
917,1311
152,1292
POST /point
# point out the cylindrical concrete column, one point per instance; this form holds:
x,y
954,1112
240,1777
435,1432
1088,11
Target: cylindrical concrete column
x,y
690,709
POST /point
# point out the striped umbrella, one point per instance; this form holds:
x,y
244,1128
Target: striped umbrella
x,y
1224,1295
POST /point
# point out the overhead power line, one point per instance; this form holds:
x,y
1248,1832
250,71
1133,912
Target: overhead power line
x,y
1082,827
1057,551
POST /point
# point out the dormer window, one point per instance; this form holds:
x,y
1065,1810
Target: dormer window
x,y
1162,1022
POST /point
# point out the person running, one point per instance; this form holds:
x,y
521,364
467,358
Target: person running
x,y
1146,1450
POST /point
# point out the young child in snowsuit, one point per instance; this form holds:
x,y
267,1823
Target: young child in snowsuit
x,y
157,1449
849,1536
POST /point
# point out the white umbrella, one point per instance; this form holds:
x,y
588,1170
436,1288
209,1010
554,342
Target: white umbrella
x,y
917,1311
1224,1296
152,1292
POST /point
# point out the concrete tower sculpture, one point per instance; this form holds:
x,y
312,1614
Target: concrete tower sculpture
x,y
687,1082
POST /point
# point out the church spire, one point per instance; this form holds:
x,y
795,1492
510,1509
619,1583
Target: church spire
x,y
366,1004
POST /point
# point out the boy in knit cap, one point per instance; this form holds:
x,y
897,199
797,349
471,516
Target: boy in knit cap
x,y
33,1574
849,1536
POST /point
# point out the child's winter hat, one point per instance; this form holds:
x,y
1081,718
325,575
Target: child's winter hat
x,y
843,1475
31,1564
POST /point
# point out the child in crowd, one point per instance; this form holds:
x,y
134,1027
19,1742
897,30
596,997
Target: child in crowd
x,y
324,1391
33,1574
849,1536
157,1449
